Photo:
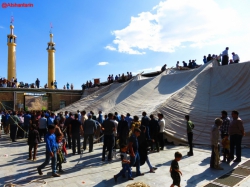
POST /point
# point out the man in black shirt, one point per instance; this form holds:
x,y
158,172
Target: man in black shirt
x,y
154,129
66,124
133,150
108,128
122,131
75,130
145,122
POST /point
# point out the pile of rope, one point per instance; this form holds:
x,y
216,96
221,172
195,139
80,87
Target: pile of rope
x,y
138,184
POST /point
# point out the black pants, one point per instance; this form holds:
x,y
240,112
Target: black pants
x,y
226,156
161,140
108,144
13,130
190,142
20,133
26,128
156,143
90,137
224,60
76,138
236,61
69,140
235,141
42,132
34,146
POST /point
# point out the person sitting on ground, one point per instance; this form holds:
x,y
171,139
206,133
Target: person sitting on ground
x,y
190,65
194,65
209,57
205,59
163,67
231,61
236,58
184,64
215,134
64,87
116,78
175,171
177,65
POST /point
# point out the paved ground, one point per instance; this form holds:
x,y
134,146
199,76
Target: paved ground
x,y
88,170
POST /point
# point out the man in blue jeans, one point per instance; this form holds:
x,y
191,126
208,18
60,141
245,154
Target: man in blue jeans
x,y
51,150
133,150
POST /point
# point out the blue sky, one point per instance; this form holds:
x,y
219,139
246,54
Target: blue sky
x,y
126,35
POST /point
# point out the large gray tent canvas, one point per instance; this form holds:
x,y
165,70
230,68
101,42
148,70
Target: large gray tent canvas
x,y
202,93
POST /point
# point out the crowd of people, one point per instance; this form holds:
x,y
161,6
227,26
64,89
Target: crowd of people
x,y
8,83
223,59
119,77
132,135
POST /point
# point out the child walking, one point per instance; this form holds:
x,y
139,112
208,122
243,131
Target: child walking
x,y
51,149
60,157
226,146
33,141
125,164
175,171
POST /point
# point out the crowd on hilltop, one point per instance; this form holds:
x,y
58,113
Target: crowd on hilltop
x,y
132,135
119,77
223,59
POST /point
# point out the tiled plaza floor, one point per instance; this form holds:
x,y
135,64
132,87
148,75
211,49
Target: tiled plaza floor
x,y
88,170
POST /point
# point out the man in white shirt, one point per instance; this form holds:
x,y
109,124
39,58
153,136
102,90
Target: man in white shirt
x,y
225,57
236,58
161,122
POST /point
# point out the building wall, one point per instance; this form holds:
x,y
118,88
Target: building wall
x,y
7,100
67,98
54,99
6,96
